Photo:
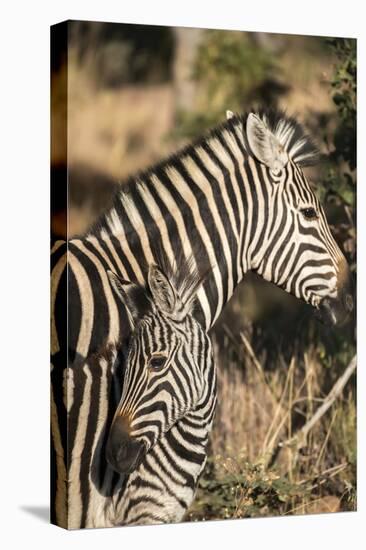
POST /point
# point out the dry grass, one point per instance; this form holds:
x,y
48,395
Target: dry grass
x,y
256,412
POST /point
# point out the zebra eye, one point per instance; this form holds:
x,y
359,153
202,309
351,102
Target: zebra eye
x,y
157,362
309,213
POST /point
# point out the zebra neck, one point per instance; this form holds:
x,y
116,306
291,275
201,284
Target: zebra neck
x,y
191,204
202,416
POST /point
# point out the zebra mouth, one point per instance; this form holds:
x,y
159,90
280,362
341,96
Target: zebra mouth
x,y
127,458
124,453
335,311
325,313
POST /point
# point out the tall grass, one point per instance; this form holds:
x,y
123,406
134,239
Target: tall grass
x,y
256,466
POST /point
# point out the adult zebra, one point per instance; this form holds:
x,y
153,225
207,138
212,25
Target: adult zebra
x,y
238,200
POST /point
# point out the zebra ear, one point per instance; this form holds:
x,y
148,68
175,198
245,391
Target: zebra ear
x,y
164,294
264,144
133,296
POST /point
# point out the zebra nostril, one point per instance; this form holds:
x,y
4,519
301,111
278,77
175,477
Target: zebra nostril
x,y
348,302
121,453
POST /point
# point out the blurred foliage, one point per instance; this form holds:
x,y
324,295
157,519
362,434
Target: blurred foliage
x,y
229,69
118,54
339,189
344,96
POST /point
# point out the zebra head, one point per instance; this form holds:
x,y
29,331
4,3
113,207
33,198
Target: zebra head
x,y
292,245
167,372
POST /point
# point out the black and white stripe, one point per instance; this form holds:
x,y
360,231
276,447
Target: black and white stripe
x,y
159,434
236,200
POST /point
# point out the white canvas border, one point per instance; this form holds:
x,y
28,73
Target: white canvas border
x,y
25,281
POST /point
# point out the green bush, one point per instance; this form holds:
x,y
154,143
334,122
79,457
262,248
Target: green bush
x,y
241,489
339,189
228,67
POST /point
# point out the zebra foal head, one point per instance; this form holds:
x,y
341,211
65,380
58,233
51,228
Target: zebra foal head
x,y
168,371
292,245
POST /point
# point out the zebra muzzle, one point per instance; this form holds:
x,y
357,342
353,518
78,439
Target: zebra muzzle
x,y
335,311
124,453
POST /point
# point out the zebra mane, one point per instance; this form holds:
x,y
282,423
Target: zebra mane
x,y
183,274
290,134
287,130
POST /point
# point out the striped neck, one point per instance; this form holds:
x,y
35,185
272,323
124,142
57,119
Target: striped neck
x,y
193,203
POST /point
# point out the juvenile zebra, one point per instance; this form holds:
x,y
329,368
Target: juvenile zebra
x,y
159,434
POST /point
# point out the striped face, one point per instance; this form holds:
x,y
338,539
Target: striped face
x,y
166,371
293,246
